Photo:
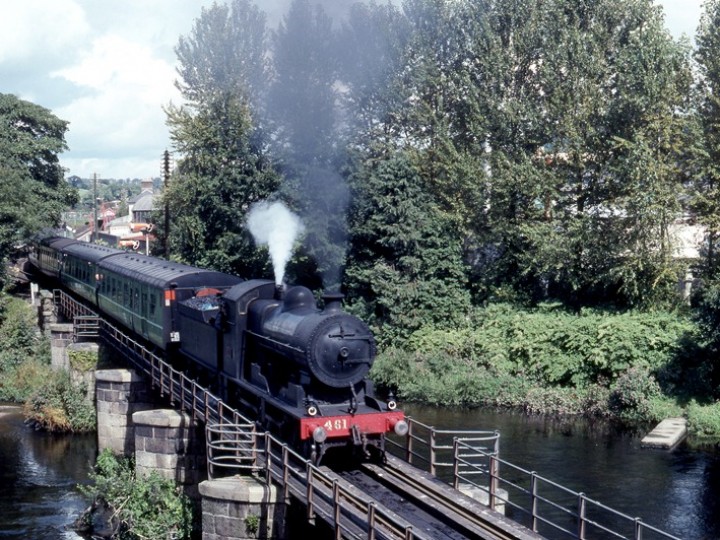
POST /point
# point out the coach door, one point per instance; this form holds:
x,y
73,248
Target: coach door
x,y
144,311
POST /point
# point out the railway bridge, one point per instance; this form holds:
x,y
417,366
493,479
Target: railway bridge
x,y
436,484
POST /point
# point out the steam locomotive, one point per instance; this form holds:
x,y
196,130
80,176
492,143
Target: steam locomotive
x,y
296,369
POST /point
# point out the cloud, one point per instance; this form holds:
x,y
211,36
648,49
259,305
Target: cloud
x,y
108,67
122,87
40,30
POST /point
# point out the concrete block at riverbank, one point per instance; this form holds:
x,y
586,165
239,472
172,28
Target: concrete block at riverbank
x,y
668,434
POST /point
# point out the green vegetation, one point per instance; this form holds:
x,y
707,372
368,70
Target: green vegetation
x,y
52,400
33,193
635,367
59,405
136,508
497,187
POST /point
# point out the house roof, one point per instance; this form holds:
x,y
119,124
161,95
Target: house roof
x,y
145,203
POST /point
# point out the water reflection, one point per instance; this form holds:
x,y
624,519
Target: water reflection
x,y
38,474
677,491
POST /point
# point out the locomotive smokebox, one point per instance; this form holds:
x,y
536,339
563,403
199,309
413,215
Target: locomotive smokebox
x,y
333,301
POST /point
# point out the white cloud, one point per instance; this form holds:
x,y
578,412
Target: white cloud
x,y
125,86
37,28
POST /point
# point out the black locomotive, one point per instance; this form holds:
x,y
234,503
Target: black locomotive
x,y
298,370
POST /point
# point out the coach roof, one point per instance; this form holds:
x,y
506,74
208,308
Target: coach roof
x,y
88,252
161,273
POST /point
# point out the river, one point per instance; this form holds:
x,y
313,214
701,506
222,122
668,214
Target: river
x,y
39,473
677,491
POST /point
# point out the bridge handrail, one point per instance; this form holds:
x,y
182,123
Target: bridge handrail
x,y
531,494
348,511
434,446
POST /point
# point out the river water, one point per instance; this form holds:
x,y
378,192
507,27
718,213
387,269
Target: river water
x,y
39,473
676,491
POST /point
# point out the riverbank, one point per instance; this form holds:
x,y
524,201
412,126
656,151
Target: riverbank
x,y
633,368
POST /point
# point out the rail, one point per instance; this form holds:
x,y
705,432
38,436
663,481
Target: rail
x,y
86,326
436,447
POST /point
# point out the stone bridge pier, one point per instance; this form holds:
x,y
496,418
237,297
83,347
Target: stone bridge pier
x,y
170,443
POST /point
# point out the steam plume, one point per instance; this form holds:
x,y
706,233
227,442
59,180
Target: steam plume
x,y
273,225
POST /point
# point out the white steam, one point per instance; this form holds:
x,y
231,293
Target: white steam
x,y
273,225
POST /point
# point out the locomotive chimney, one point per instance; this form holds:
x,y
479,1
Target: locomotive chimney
x,y
280,290
333,301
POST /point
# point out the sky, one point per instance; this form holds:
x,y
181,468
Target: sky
x,y
108,68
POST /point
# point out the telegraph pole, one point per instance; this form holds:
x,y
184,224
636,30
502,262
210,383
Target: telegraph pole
x,y
95,207
166,180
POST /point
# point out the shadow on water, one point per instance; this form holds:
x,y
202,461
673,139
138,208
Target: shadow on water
x,y
677,491
38,475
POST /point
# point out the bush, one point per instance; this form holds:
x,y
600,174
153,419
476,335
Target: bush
x,y
544,361
145,507
555,348
20,338
19,382
59,405
704,421
442,380
632,394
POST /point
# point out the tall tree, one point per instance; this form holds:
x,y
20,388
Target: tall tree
x,y
225,53
407,269
706,184
221,174
574,86
223,167
33,192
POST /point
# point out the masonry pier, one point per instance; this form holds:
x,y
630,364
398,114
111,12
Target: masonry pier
x,y
119,394
170,443
241,507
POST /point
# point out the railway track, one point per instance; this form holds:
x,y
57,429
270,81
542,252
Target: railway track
x,y
431,508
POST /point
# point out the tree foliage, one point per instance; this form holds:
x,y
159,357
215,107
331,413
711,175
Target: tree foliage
x,y
223,172
504,149
33,192
224,166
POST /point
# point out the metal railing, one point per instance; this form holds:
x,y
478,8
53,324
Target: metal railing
x,y
231,439
86,326
433,449
543,505
231,448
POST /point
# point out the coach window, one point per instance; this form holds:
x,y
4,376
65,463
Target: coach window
x,y
153,304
